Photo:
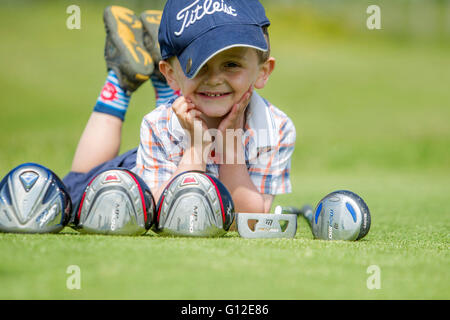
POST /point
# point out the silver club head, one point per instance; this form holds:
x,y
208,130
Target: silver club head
x,y
195,204
33,200
341,215
115,203
267,225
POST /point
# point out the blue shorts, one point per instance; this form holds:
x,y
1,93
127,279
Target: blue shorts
x,y
76,182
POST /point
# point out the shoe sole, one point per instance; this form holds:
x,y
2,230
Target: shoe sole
x,y
125,52
151,20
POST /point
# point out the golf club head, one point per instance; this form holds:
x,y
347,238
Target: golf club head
x,y
195,204
116,202
267,225
33,200
341,215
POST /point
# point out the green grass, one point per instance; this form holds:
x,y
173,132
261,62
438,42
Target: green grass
x,y
371,111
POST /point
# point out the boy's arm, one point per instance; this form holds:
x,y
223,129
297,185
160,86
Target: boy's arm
x,y
186,164
235,175
253,188
191,122
246,196
155,164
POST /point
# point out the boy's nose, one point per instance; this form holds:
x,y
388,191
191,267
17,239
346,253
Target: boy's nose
x,y
213,78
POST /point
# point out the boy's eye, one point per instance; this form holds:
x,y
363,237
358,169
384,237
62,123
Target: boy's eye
x,y
232,65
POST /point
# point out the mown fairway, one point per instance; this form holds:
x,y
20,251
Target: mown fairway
x,y
371,111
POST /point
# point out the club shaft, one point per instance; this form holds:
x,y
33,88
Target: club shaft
x,y
306,211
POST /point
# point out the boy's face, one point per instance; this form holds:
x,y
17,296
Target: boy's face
x,y
222,81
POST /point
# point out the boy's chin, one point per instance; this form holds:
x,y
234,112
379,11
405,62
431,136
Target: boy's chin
x,y
215,112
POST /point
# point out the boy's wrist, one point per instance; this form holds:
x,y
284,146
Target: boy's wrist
x,y
233,151
193,158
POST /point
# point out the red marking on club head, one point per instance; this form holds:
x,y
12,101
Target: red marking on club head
x,y
111,177
189,180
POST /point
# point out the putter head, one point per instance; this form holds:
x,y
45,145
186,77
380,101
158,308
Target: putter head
x,y
33,200
341,215
115,202
267,226
195,204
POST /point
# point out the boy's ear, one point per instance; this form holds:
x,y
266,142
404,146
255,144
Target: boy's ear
x,y
169,73
264,73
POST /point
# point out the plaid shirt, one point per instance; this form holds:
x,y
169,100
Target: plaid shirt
x,y
269,139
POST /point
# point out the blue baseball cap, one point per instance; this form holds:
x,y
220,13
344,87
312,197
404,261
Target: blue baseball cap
x,y
196,30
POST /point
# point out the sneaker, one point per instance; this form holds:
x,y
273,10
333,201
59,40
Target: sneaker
x,y
125,52
150,21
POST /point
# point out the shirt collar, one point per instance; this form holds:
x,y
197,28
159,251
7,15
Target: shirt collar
x,y
259,120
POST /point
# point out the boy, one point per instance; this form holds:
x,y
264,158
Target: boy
x,y
214,54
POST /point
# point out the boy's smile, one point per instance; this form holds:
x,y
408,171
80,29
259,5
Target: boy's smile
x,y
222,80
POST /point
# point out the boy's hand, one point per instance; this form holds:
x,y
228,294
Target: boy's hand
x,y
233,148
191,120
235,118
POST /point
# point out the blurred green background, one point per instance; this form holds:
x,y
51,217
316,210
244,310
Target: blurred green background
x,y
361,99
371,109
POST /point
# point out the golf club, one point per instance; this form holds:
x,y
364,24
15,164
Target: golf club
x,y
268,225
340,215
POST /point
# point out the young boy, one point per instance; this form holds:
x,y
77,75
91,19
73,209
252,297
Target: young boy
x,y
214,54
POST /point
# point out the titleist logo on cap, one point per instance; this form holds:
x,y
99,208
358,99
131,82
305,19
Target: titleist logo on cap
x,y
195,12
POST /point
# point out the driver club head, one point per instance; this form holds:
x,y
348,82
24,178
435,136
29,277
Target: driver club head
x,y
267,226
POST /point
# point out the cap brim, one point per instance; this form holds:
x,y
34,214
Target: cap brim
x,y
217,40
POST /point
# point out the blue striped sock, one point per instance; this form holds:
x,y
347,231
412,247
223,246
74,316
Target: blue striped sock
x,y
113,99
163,92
